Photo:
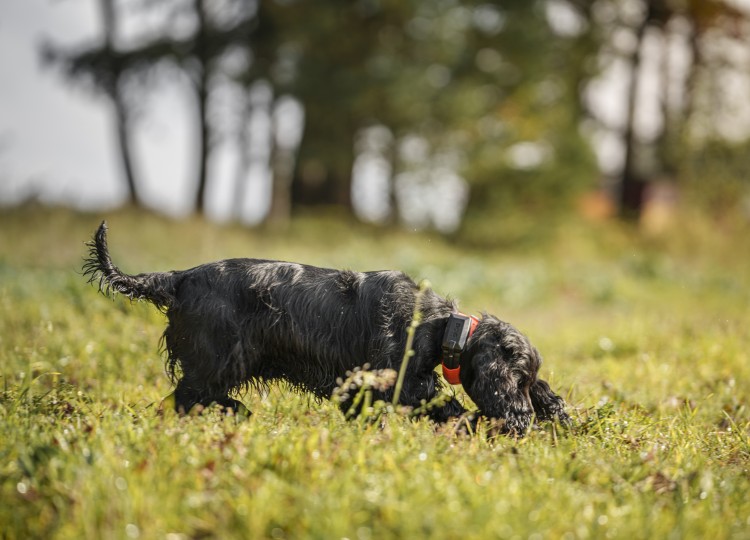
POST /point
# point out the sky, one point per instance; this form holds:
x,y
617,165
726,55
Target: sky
x,y
50,137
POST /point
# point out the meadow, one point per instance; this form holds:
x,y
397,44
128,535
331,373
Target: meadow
x,y
646,337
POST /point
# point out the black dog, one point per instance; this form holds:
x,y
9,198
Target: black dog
x,y
242,322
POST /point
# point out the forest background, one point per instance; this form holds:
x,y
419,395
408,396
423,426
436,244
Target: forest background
x,y
433,114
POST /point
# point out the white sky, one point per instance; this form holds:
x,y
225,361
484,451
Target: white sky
x,y
59,141
50,137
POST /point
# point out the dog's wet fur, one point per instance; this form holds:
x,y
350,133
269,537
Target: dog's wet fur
x,y
241,323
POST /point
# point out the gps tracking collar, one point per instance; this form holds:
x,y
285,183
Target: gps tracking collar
x,y
459,329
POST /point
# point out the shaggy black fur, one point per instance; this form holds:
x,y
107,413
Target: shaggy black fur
x,y
242,322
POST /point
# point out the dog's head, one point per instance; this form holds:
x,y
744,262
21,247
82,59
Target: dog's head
x,y
498,369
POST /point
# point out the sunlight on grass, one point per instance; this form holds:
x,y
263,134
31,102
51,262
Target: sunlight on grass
x,y
647,340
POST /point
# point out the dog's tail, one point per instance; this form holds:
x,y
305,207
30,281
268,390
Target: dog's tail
x,y
158,287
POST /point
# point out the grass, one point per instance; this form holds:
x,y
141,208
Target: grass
x,y
646,337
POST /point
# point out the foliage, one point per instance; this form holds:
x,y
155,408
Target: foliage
x,y
717,178
646,338
495,94
469,79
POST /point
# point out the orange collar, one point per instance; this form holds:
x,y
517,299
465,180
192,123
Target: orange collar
x,y
458,330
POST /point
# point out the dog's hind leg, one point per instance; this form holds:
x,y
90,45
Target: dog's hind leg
x,y
203,355
187,398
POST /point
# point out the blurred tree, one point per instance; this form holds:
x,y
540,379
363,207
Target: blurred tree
x,y
500,97
703,17
199,67
104,71
484,92
216,29
616,30
482,84
117,69
322,55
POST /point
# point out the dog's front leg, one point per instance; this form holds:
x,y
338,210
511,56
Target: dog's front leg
x,y
443,413
547,405
422,394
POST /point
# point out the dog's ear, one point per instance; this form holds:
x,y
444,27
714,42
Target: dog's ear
x,y
498,390
547,405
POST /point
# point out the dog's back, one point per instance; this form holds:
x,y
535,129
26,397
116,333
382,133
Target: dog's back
x,y
240,321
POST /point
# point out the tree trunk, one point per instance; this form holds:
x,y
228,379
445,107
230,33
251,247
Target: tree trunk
x,y
324,164
123,143
122,124
203,136
201,88
691,82
631,183
282,165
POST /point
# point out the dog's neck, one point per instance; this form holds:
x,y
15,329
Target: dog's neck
x,y
458,330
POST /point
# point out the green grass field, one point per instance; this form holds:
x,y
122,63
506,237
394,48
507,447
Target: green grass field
x,y
646,337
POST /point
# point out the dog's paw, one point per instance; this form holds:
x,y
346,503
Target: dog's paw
x,y
563,418
229,406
